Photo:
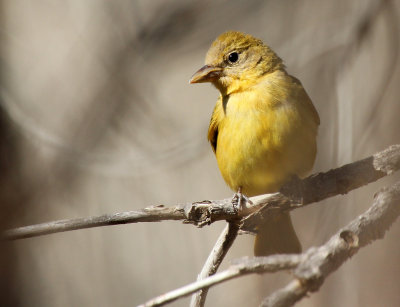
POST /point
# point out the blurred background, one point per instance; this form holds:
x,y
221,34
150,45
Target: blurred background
x,y
97,117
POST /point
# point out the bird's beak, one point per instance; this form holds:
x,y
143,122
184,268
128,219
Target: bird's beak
x,y
207,73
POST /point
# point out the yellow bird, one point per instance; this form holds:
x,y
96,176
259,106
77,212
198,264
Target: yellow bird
x,y
263,129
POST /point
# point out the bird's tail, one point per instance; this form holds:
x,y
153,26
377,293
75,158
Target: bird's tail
x,y
277,236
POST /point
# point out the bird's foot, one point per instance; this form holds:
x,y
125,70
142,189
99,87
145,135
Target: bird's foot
x,y
239,199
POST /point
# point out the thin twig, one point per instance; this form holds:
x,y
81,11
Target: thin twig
x,y
313,266
292,196
218,253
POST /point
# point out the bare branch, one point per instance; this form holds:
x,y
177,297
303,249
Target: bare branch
x,y
218,253
313,266
320,186
246,266
292,196
322,261
150,214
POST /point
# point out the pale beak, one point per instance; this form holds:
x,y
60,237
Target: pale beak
x,y
207,73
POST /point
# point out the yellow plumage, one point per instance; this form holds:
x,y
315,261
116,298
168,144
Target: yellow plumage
x,y
263,128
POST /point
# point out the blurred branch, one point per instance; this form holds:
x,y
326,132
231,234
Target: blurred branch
x,y
119,94
391,57
313,266
218,253
363,32
296,194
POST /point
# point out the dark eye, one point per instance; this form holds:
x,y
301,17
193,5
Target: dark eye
x,y
233,57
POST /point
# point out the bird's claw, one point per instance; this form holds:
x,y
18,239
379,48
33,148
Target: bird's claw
x,y
238,198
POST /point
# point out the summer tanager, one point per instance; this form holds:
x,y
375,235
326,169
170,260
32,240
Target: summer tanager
x,y
263,129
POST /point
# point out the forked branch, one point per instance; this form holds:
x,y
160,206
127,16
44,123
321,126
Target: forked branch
x,y
312,267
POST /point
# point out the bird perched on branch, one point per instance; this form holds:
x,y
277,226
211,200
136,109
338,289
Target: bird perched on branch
x,y
263,129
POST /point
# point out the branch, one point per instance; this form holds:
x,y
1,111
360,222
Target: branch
x,y
150,214
313,266
249,265
214,260
322,261
317,187
292,196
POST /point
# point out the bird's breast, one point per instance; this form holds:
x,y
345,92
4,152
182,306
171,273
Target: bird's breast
x,y
260,146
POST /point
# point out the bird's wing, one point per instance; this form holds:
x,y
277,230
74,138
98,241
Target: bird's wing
x,y
306,99
215,121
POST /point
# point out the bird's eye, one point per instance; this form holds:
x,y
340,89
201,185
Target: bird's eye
x,y
233,57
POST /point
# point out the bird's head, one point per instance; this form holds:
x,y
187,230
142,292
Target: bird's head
x,y
236,61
